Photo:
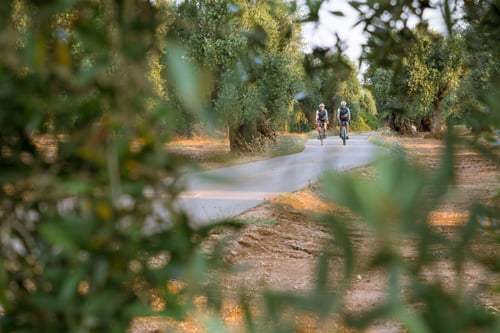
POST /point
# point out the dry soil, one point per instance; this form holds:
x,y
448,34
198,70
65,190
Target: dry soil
x,y
280,248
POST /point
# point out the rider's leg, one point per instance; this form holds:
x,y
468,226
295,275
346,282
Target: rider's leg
x,y
321,125
347,128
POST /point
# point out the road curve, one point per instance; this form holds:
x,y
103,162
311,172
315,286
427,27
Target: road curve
x,y
226,192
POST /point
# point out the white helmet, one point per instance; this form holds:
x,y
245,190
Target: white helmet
x,y
343,103
321,105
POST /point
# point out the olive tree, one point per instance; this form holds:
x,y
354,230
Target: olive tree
x,y
479,89
87,240
252,51
421,79
91,234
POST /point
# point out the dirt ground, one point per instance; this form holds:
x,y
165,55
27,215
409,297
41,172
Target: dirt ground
x,y
280,250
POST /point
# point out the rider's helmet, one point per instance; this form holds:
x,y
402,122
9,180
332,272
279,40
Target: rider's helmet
x,y
343,103
322,105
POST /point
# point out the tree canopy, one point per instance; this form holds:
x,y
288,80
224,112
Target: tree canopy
x,y
252,51
414,88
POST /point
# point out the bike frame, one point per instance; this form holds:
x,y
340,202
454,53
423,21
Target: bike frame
x,y
321,131
343,131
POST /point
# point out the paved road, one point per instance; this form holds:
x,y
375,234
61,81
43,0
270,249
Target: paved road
x,y
222,193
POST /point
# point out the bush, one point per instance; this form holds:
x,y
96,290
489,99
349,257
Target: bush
x,y
85,235
360,125
366,122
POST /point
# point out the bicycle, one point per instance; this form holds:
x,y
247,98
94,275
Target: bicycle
x,y
343,132
321,132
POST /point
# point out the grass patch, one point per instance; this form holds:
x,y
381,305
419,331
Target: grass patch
x,y
255,220
287,145
389,142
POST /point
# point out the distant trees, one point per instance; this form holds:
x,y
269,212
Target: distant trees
x,y
252,52
413,88
333,78
428,79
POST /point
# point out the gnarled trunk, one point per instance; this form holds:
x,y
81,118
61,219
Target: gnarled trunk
x,y
252,137
400,124
437,129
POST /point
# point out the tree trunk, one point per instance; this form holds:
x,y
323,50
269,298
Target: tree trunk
x,y
425,124
252,137
436,126
437,129
400,124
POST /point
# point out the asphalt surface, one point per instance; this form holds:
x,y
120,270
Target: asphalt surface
x,y
226,192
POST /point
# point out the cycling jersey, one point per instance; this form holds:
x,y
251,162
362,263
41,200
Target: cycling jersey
x,y
322,116
344,113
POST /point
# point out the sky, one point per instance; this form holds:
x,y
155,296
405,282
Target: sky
x,y
324,33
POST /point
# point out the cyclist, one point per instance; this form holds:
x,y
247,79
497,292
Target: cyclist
x,y
344,116
322,118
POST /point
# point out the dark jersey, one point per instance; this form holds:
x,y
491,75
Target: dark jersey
x,y
344,113
322,115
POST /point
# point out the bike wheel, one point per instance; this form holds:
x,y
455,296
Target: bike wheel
x,y
322,136
343,135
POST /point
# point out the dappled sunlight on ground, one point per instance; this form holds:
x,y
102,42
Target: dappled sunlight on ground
x,y
448,218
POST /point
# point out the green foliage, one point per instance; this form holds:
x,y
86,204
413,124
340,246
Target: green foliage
x,y
395,206
252,50
418,86
365,122
381,87
367,102
89,93
86,237
251,221
365,116
479,89
333,79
